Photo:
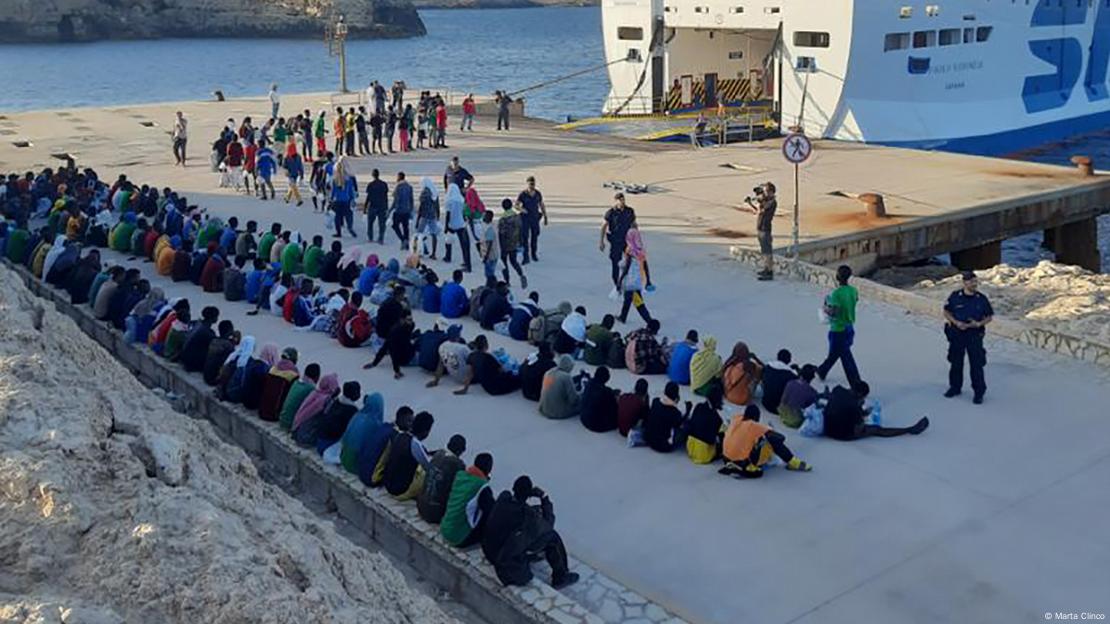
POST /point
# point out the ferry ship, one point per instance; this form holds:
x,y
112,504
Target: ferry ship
x,y
976,76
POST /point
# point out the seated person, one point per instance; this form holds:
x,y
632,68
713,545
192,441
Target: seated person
x,y
235,281
663,428
430,295
219,350
444,465
484,369
559,399
399,346
453,301
706,429
572,332
632,407
368,276
644,353
279,379
182,262
678,370
516,532
195,350
406,455
453,356
374,452
313,259
776,375
599,403
748,446
533,370
522,316
337,415
252,287
469,504
741,374
496,307
390,312
798,395
329,268
353,327
599,339
705,367
845,413
212,276
427,348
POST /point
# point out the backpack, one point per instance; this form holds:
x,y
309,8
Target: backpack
x,y
476,297
544,327
508,230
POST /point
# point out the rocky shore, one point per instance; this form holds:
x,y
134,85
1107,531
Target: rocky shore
x,y
26,21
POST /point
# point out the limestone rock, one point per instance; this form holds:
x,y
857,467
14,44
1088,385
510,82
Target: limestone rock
x,y
92,20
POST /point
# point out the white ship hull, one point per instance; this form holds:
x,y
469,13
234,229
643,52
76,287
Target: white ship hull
x,y
983,76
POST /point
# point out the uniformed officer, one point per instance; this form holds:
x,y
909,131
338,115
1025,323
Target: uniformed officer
x,y
968,313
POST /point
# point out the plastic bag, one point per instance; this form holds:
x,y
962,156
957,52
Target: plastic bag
x,y
875,415
636,437
329,220
814,425
331,454
614,295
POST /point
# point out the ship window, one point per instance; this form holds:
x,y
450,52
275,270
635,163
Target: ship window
x,y
670,9
630,33
701,9
736,9
905,12
949,36
633,56
810,39
771,10
924,38
896,41
932,10
969,35
983,33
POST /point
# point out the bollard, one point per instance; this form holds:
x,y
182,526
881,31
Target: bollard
x,y
876,209
1085,164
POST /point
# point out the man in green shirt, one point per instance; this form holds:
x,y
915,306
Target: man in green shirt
x,y
266,243
314,257
840,306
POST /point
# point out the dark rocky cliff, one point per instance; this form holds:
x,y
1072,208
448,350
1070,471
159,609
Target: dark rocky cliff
x,y
94,20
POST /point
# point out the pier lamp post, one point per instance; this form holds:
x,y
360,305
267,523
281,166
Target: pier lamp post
x,y
337,45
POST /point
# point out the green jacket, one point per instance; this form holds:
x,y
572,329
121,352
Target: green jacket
x,y
313,260
298,392
264,245
291,259
455,527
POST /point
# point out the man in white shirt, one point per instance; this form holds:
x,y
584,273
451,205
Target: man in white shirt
x,y
275,101
180,137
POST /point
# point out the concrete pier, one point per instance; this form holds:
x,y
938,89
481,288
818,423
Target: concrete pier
x,y
979,257
1077,243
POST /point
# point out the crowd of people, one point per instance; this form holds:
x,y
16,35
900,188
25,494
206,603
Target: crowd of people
x,y
362,300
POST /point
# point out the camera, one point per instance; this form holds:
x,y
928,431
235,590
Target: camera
x,y
758,191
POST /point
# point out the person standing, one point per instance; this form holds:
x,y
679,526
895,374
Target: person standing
x,y
294,172
764,207
275,101
344,191
320,130
968,313
377,206
376,123
360,127
180,138
635,277
349,130
532,208
340,128
503,104
454,222
441,124
402,209
840,308
469,110
618,220
508,231
390,127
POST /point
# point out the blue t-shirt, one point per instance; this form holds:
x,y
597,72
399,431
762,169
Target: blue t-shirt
x,y
254,285
453,301
367,279
679,369
227,239
430,299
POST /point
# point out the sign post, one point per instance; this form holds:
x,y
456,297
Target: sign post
x,y
797,149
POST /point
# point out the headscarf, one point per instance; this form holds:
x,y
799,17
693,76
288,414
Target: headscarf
x,y
740,354
269,354
429,187
373,408
149,303
315,402
353,256
51,256
566,363
242,353
474,202
455,198
634,244
92,260
372,261
706,363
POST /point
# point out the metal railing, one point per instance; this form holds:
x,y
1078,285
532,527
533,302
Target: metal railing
x,y
736,127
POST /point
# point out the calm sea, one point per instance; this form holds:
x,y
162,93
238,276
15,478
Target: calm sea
x,y
479,50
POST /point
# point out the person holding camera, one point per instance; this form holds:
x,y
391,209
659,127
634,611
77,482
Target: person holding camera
x,y
516,532
764,204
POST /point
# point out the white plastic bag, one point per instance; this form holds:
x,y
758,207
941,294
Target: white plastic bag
x,y
329,220
814,425
614,295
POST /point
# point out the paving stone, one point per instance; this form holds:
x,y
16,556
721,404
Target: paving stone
x,y
632,598
633,612
562,617
611,611
655,613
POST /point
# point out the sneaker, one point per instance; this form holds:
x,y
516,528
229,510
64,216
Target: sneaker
x,y
977,399
568,579
920,426
951,392
797,465
765,277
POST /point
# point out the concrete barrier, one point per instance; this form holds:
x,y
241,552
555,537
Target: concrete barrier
x,y
1018,331
394,526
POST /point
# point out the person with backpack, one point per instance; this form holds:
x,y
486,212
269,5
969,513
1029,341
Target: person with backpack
x,y
444,466
509,232
469,504
408,460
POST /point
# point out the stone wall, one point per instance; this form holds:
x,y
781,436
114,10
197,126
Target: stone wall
x,y
1039,337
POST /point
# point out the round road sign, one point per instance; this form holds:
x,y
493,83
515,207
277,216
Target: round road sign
x,y
797,148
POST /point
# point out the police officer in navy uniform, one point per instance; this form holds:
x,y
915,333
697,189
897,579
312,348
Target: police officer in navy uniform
x,y
968,313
